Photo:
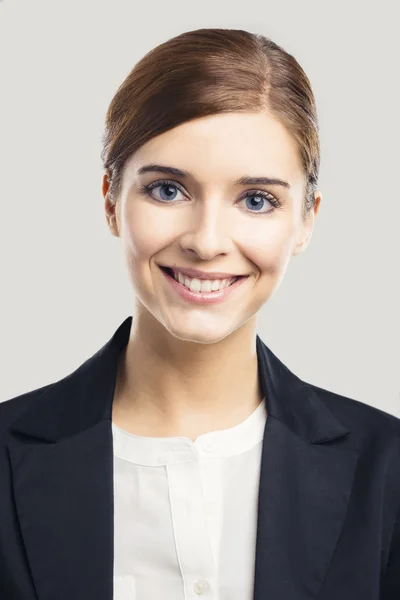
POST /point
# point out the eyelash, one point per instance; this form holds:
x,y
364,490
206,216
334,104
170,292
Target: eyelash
x,y
146,190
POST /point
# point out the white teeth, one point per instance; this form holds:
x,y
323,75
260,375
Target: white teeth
x,y
203,285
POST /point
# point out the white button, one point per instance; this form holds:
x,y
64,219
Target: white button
x,y
201,587
208,446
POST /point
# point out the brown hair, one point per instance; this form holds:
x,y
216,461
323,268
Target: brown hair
x,y
205,72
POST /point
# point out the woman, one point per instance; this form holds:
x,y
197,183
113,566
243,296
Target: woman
x,y
184,459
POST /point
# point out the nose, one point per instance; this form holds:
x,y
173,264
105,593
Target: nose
x,y
207,233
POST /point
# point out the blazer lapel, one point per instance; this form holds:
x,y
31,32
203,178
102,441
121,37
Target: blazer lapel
x,y
62,470
61,456
306,479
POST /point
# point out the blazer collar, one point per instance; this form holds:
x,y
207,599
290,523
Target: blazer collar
x,y
61,456
84,398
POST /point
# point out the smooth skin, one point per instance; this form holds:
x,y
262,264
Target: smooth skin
x,y
189,369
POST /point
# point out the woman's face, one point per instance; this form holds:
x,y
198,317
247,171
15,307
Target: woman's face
x,y
204,221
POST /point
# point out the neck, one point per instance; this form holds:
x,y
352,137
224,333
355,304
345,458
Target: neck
x,y
167,386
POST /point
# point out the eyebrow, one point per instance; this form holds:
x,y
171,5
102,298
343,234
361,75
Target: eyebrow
x,y
246,180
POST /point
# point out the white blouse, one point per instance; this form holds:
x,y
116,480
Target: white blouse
x,y
185,513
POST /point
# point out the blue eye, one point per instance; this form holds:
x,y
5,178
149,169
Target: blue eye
x,y
263,196
168,193
170,188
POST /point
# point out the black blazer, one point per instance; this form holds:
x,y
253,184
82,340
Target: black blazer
x,y
328,515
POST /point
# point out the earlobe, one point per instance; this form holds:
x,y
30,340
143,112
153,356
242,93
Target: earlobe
x,y
300,246
303,241
110,214
109,207
113,225
308,227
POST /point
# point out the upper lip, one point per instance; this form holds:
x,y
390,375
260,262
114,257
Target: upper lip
x,y
201,274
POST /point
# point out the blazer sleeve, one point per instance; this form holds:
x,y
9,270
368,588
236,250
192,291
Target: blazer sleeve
x,y
391,582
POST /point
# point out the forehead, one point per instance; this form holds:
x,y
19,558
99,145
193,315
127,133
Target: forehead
x,y
225,147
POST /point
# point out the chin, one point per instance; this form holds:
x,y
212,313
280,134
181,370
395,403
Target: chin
x,y
198,334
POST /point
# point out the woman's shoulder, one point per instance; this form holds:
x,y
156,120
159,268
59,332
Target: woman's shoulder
x,y
11,408
357,415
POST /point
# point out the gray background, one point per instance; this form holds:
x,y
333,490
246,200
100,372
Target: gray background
x,y
64,288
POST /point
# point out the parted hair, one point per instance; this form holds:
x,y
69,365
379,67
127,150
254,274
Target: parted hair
x,y
205,72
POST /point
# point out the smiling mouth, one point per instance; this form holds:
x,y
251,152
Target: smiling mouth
x,y
200,291
171,274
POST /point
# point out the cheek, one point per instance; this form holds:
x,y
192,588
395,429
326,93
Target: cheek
x,y
271,246
144,232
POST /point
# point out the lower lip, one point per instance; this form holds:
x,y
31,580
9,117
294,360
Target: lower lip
x,y
203,297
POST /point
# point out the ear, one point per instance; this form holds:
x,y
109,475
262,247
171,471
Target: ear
x,y
307,227
110,208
